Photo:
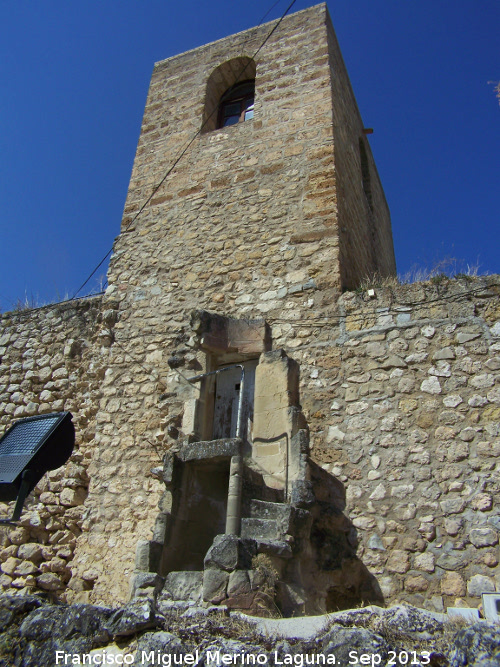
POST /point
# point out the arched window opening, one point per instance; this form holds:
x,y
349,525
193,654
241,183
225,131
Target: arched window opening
x,y
229,94
237,104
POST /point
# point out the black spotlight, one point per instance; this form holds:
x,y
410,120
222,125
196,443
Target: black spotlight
x,y
30,448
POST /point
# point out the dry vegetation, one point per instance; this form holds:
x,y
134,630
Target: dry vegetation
x,y
442,270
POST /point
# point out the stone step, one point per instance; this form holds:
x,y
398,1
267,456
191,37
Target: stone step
x,y
277,548
257,529
280,512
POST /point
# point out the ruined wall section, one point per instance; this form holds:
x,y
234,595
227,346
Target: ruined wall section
x,y
51,359
401,390
240,226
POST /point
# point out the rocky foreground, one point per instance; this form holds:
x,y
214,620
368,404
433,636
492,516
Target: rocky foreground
x,y
36,633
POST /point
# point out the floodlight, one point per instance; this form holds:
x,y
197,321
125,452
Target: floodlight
x,y
30,448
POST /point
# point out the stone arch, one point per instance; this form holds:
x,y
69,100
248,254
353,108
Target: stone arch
x,y
222,78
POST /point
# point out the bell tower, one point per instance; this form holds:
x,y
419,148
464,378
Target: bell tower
x,y
273,172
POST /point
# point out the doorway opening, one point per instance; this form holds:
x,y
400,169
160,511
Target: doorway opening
x,y
202,514
227,400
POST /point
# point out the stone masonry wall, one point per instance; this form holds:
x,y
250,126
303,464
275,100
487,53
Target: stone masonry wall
x,y
401,393
49,362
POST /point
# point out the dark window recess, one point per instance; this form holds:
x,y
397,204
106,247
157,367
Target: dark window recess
x,y
237,104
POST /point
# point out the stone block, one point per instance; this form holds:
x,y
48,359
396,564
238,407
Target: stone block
x,y
239,583
10,565
229,552
453,584
147,556
431,386
479,584
302,494
25,568
454,560
276,548
482,502
49,582
444,353
160,528
134,617
452,506
215,585
146,581
398,562
452,526
184,585
425,562
483,537
253,528
72,497
416,583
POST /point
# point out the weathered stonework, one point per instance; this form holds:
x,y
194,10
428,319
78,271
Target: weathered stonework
x,y
51,359
419,469
240,257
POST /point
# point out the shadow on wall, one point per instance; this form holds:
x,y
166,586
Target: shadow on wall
x,y
337,570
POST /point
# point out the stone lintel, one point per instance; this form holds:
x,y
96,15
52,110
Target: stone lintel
x,y
220,335
210,449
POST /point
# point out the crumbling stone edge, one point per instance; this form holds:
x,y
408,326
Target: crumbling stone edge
x,y
36,632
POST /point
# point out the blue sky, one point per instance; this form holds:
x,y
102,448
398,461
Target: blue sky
x,y
74,78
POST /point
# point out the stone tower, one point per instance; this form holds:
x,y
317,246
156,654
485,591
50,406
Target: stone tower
x,y
253,202
294,187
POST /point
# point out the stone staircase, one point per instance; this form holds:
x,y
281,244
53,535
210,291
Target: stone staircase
x,y
272,528
267,519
